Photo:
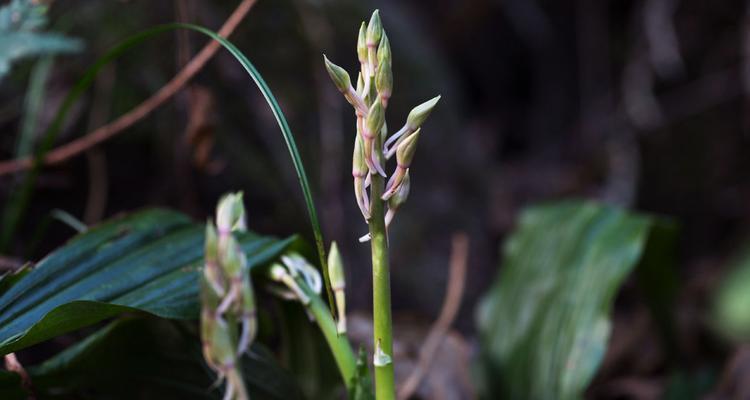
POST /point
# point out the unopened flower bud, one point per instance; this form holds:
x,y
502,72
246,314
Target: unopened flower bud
x,y
212,272
384,75
338,75
336,268
404,155
419,114
384,51
362,43
375,120
359,172
216,334
360,84
277,272
232,259
406,149
370,133
336,273
230,214
359,166
374,30
281,275
248,315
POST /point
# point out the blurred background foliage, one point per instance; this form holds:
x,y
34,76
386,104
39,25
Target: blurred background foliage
x,y
638,104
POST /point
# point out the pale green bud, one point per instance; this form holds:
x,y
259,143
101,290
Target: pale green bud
x,y
233,260
360,84
359,166
277,272
248,315
218,341
338,75
384,75
211,251
374,30
362,43
336,273
419,114
384,51
335,267
406,149
212,272
375,119
230,214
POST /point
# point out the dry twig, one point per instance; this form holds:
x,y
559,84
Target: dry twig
x,y
105,132
451,304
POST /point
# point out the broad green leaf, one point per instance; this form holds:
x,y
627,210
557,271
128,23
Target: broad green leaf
x,y
732,303
545,323
149,261
151,358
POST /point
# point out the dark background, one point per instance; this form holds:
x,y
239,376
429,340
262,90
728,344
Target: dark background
x,y
636,103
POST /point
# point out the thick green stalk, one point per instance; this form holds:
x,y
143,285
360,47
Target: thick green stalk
x,y
381,292
340,346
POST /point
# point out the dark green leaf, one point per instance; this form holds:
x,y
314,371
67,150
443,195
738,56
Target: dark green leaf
x,y
544,325
361,388
151,358
8,279
149,261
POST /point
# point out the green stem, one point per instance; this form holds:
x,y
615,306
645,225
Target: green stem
x,y
381,291
340,346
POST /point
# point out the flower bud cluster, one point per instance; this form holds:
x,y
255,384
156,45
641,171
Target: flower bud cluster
x,y
372,146
228,313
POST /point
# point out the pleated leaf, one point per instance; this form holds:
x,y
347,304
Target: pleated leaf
x,y
149,261
544,325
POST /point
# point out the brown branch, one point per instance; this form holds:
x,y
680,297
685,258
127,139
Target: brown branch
x,y
451,303
105,132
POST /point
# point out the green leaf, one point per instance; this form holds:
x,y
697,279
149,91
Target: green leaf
x,y
149,261
20,21
361,388
545,323
9,278
151,358
732,301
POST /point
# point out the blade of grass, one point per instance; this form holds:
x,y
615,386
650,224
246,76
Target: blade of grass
x,y
20,198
